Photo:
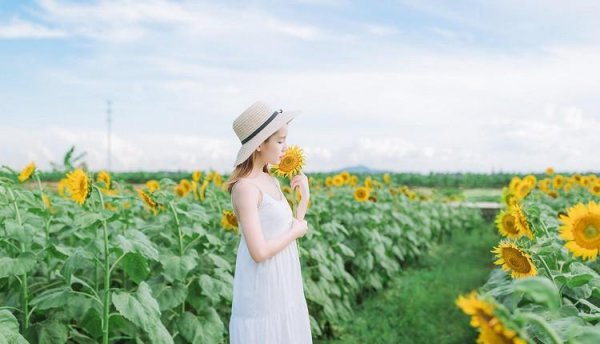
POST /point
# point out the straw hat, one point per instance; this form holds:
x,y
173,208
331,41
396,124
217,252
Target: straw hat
x,y
255,125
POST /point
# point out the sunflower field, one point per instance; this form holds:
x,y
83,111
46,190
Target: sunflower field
x,y
97,260
547,286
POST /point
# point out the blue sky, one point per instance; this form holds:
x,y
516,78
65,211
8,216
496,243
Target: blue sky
x,y
398,85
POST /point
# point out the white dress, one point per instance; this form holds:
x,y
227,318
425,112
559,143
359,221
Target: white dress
x,y
268,304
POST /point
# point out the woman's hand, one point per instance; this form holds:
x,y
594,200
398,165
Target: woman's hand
x,y
300,227
300,181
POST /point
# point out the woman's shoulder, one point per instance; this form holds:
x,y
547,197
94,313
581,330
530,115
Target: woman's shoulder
x,y
244,190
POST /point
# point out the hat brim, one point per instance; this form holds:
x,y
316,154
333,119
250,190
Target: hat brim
x,y
250,146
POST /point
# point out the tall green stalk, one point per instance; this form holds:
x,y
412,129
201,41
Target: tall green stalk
x,y
23,279
106,298
180,236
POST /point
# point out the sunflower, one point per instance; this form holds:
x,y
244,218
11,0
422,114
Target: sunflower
x,y
338,181
195,189
61,186
196,175
217,179
361,194
180,190
544,184
103,177
79,185
492,329
549,171
110,206
353,180
479,310
152,185
369,182
514,182
346,176
328,181
521,221
203,189
151,203
505,222
552,193
581,230
568,186
524,189
595,189
558,181
291,163
514,260
46,201
185,185
27,172
585,181
386,178
531,180
229,221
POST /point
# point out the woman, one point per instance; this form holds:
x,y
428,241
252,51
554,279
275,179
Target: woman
x,y
268,295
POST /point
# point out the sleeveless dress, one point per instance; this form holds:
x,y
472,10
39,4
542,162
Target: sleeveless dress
x,y
268,304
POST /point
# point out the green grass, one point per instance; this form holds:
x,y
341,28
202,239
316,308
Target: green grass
x,y
418,305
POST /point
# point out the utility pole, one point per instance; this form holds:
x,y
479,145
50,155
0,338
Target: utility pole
x,y
108,112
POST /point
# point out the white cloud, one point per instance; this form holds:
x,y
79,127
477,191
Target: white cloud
x,y
125,21
381,30
19,29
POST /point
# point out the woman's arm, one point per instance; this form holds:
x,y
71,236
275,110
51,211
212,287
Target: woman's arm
x,y
301,181
302,208
245,202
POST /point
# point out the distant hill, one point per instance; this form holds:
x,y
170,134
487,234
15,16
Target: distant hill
x,y
360,169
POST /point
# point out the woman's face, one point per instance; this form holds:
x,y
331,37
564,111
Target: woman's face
x,y
273,148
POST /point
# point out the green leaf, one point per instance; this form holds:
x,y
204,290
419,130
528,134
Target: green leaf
x,y
220,262
586,335
52,332
51,298
86,220
136,266
210,287
136,241
17,266
143,311
207,327
347,251
539,289
176,268
9,328
169,296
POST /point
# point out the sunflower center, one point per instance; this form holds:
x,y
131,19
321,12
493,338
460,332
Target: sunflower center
x,y
82,185
288,163
509,224
587,232
516,260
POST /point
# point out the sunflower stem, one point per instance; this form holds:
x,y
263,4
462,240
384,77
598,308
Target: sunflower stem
x,y
107,270
544,228
180,236
549,273
23,280
37,178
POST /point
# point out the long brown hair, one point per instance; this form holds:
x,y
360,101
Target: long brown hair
x,y
243,170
